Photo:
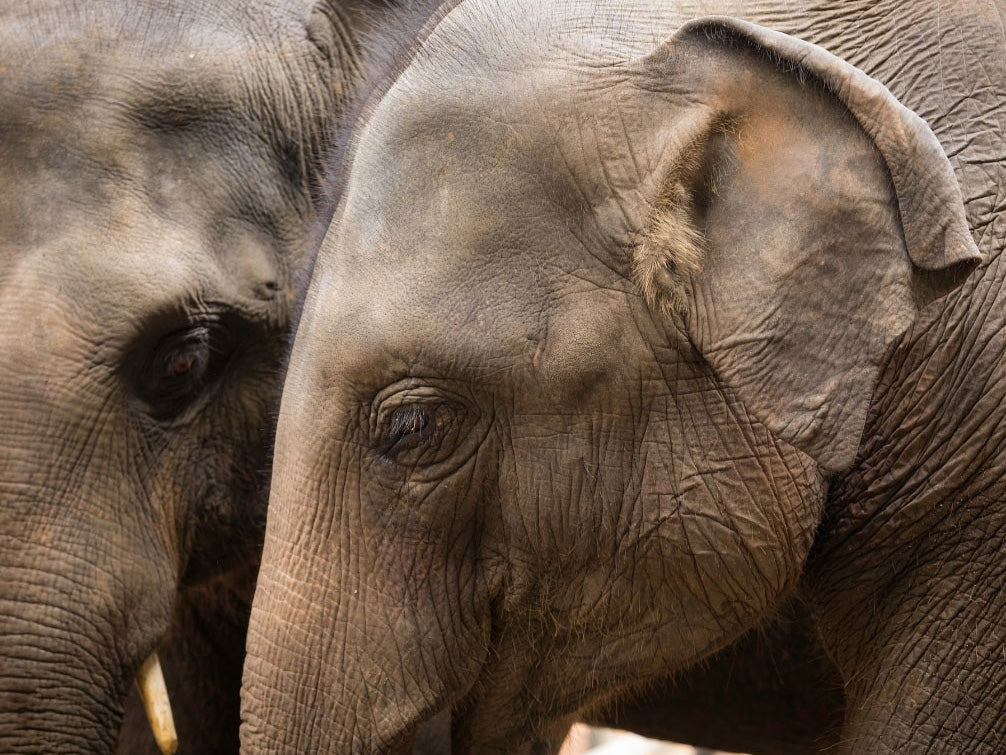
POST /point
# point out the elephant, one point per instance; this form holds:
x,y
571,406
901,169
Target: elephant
x,y
636,324
160,206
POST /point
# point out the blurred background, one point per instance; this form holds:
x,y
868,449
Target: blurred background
x,y
585,740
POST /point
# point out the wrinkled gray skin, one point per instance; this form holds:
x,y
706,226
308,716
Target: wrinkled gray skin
x,y
157,219
508,484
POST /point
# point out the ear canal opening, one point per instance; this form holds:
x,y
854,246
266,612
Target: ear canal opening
x,y
669,253
711,162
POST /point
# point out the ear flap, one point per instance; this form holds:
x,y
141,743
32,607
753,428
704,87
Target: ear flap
x,y
803,219
338,28
332,27
336,33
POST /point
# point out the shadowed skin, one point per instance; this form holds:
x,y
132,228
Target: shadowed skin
x,y
508,486
158,215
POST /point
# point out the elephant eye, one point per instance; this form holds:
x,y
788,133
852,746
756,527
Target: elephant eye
x,y
182,366
415,431
189,361
424,428
410,423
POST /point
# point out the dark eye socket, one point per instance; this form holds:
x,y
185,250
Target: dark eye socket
x,y
420,431
182,366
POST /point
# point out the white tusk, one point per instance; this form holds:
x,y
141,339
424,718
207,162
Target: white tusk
x,y
154,692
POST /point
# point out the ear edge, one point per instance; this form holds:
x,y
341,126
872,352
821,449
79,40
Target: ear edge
x,y
936,231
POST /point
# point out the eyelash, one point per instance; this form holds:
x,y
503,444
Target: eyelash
x,y
414,427
425,429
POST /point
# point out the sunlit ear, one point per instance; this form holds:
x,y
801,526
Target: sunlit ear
x,y
803,220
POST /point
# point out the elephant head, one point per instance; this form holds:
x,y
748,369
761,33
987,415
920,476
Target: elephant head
x,y
598,317
158,212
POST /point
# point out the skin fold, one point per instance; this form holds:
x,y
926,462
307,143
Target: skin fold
x,y
660,336
158,215
775,690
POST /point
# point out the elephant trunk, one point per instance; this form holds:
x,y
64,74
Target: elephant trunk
x,y
79,611
88,568
354,651
360,703
51,698
61,689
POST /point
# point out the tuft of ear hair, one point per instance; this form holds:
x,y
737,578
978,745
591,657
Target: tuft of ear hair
x,y
673,248
669,253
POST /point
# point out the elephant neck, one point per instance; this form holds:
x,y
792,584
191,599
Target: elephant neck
x,y
906,574
936,429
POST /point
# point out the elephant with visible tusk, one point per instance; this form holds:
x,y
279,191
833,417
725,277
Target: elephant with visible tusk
x,y
160,206
637,321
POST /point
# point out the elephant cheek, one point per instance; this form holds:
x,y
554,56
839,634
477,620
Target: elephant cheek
x,y
728,528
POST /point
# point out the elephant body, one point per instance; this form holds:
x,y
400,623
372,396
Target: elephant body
x,y
636,324
159,208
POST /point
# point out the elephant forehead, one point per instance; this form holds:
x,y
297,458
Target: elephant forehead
x,y
146,219
469,175
464,253
133,174
494,35
81,68
489,133
446,289
81,85
167,26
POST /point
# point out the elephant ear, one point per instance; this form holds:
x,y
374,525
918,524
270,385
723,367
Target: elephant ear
x,y
340,28
334,27
803,218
